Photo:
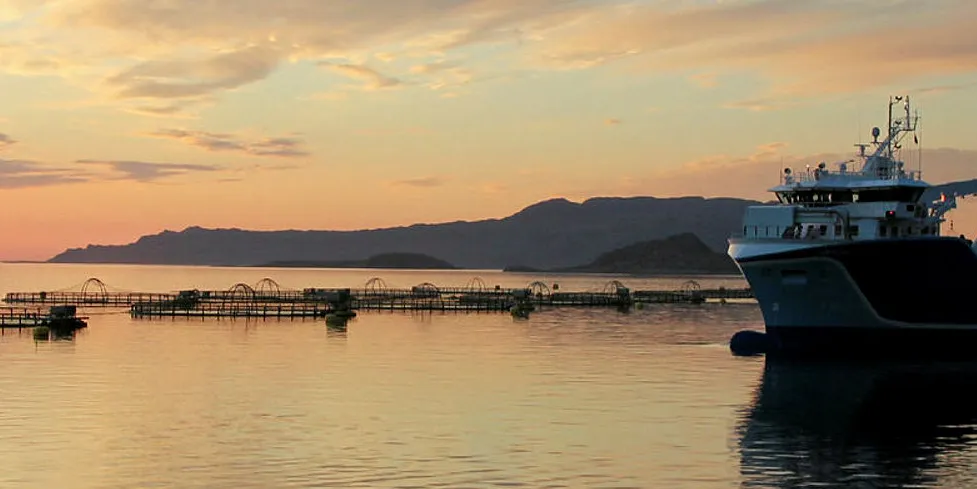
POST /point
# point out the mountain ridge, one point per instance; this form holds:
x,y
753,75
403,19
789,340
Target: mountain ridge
x,y
552,233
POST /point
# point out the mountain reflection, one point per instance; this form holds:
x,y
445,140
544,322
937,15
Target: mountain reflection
x,y
818,424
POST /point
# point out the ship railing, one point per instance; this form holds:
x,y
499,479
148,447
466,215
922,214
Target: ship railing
x,y
818,174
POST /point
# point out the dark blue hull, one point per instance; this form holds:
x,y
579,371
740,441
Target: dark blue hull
x,y
872,342
880,297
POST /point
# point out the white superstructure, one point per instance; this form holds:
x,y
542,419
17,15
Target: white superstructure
x,y
872,196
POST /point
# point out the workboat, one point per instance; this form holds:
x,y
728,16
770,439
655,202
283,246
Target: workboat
x,y
854,258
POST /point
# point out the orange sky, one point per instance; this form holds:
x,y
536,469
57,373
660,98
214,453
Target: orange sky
x,y
127,117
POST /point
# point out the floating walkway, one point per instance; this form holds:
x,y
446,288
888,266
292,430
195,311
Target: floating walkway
x,y
57,317
236,310
267,299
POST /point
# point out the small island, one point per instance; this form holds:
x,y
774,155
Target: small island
x,y
415,261
681,254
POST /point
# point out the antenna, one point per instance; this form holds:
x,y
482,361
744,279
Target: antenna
x,y
889,127
918,134
909,122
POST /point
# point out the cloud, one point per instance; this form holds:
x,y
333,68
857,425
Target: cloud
x,y
185,108
400,130
801,48
326,96
284,147
27,174
749,176
157,110
20,57
613,122
15,174
142,171
155,58
372,79
943,88
764,104
6,141
704,80
422,182
493,188
326,27
444,74
435,67
579,59
178,50
194,78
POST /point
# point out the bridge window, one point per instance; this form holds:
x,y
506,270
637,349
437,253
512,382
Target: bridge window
x,y
892,194
842,196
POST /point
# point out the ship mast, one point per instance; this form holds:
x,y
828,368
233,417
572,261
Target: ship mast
x,y
883,158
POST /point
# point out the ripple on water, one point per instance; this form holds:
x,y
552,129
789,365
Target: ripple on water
x,y
570,398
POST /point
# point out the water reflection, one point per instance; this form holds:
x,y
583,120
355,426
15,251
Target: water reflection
x,y
861,425
43,333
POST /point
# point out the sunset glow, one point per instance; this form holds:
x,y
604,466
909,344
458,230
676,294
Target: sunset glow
x,y
121,118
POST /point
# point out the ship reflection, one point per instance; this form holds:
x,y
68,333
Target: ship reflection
x,y
861,425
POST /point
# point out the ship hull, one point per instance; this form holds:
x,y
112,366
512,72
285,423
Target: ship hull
x,y
911,296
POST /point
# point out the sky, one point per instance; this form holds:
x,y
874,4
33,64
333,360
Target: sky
x,y
121,118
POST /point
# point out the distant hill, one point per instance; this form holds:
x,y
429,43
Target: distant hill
x,y
551,234
680,254
416,261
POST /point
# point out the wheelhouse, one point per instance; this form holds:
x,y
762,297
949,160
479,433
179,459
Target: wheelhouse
x,y
840,196
879,199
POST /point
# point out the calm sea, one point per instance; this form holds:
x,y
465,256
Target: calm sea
x,y
576,398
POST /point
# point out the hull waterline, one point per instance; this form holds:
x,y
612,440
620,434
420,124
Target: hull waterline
x,y
876,297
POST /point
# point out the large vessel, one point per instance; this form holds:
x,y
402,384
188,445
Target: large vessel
x,y
852,258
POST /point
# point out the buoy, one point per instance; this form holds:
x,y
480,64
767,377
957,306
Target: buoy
x,y
749,343
520,313
41,332
337,322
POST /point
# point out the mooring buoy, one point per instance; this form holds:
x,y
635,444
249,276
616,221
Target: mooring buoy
x,y
749,343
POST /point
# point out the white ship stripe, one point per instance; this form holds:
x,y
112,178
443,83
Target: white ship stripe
x,y
750,248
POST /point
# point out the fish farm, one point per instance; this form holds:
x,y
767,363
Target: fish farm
x,y
57,317
267,299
